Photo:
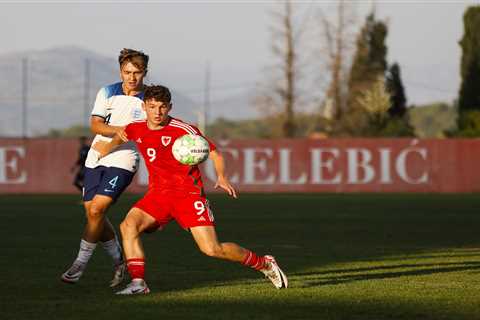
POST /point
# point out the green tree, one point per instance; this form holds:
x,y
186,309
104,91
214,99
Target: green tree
x,y
468,125
370,59
469,97
371,117
398,100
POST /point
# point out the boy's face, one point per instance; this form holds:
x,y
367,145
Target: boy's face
x,y
157,112
132,77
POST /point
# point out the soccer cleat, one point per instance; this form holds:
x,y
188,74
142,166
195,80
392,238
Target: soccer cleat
x,y
274,273
73,274
137,286
118,275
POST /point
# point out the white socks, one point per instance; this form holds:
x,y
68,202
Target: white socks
x,y
85,252
114,250
111,246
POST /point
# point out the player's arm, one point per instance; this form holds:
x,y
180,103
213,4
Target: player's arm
x,y
98,126
222,180
104,147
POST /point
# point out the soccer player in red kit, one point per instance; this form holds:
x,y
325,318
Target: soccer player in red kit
x,y
175,192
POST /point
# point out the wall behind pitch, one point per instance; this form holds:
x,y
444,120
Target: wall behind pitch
x,y
283,165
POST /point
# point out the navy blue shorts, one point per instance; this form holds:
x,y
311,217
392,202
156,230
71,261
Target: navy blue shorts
x,y
107,181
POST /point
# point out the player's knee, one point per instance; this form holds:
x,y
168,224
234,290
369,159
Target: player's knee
x,y
95,213
214,251
128,229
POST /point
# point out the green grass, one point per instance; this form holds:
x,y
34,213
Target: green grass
x,y
358,256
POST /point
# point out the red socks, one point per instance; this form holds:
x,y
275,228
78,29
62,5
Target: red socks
x,y
254,261
136,268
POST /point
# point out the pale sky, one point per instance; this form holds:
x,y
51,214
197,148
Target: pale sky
x,y
234,37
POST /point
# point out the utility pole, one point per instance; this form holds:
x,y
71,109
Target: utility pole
x,y
206,101
24,96
86,91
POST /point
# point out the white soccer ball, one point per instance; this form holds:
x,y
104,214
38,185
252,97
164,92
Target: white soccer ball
x,y
190,149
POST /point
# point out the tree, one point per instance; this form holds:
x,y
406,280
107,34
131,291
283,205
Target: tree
x,y
282,91
370,59
377,104
289,92
469,96
338,40
370,117
398,100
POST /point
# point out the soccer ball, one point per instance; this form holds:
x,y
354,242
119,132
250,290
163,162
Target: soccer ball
x,y
190,149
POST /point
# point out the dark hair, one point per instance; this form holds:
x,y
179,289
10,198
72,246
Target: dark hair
x,y
137,58
158,93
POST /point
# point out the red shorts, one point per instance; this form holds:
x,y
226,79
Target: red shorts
x,y
189,210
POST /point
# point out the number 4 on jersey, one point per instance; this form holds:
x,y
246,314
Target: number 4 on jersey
x,y
107,118
113,182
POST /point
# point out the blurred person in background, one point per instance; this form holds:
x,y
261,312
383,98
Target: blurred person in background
x,y
80,164
116,105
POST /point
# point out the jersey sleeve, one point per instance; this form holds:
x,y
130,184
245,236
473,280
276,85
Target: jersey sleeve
x,y
131,132
100,106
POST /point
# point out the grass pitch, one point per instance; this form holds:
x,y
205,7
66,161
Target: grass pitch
x,y
359,256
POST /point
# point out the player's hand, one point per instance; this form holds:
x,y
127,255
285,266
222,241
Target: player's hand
x,y
223,183
120,132
101,148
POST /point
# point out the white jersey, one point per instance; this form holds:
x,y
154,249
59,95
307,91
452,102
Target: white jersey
x,y
117,109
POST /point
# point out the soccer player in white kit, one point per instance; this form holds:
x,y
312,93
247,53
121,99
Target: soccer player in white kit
x,y
116,106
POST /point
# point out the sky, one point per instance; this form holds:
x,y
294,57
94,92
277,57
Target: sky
x,y
234,38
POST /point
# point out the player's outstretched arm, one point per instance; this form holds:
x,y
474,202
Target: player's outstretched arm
x,y
104,147
98,126
222,181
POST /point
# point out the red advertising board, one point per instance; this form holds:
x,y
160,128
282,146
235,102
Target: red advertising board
x,y
282,165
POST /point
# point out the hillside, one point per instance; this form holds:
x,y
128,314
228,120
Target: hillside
x,y
431,121
56,89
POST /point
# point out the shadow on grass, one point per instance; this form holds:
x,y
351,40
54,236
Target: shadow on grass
x,y
389,267
416,270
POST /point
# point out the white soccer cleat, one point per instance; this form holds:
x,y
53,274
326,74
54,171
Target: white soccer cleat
x,y
73,274
274,273
137,286
118,275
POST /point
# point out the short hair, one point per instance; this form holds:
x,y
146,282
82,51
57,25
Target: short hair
x,y
137,58
158,93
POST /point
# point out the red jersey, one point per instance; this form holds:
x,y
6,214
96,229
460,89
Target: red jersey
x,y
164,171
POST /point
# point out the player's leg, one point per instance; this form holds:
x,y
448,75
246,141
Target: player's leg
x,y
194,213
207,241
73,274
102,187
134,224
100,229
94,230
113,183
111,245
